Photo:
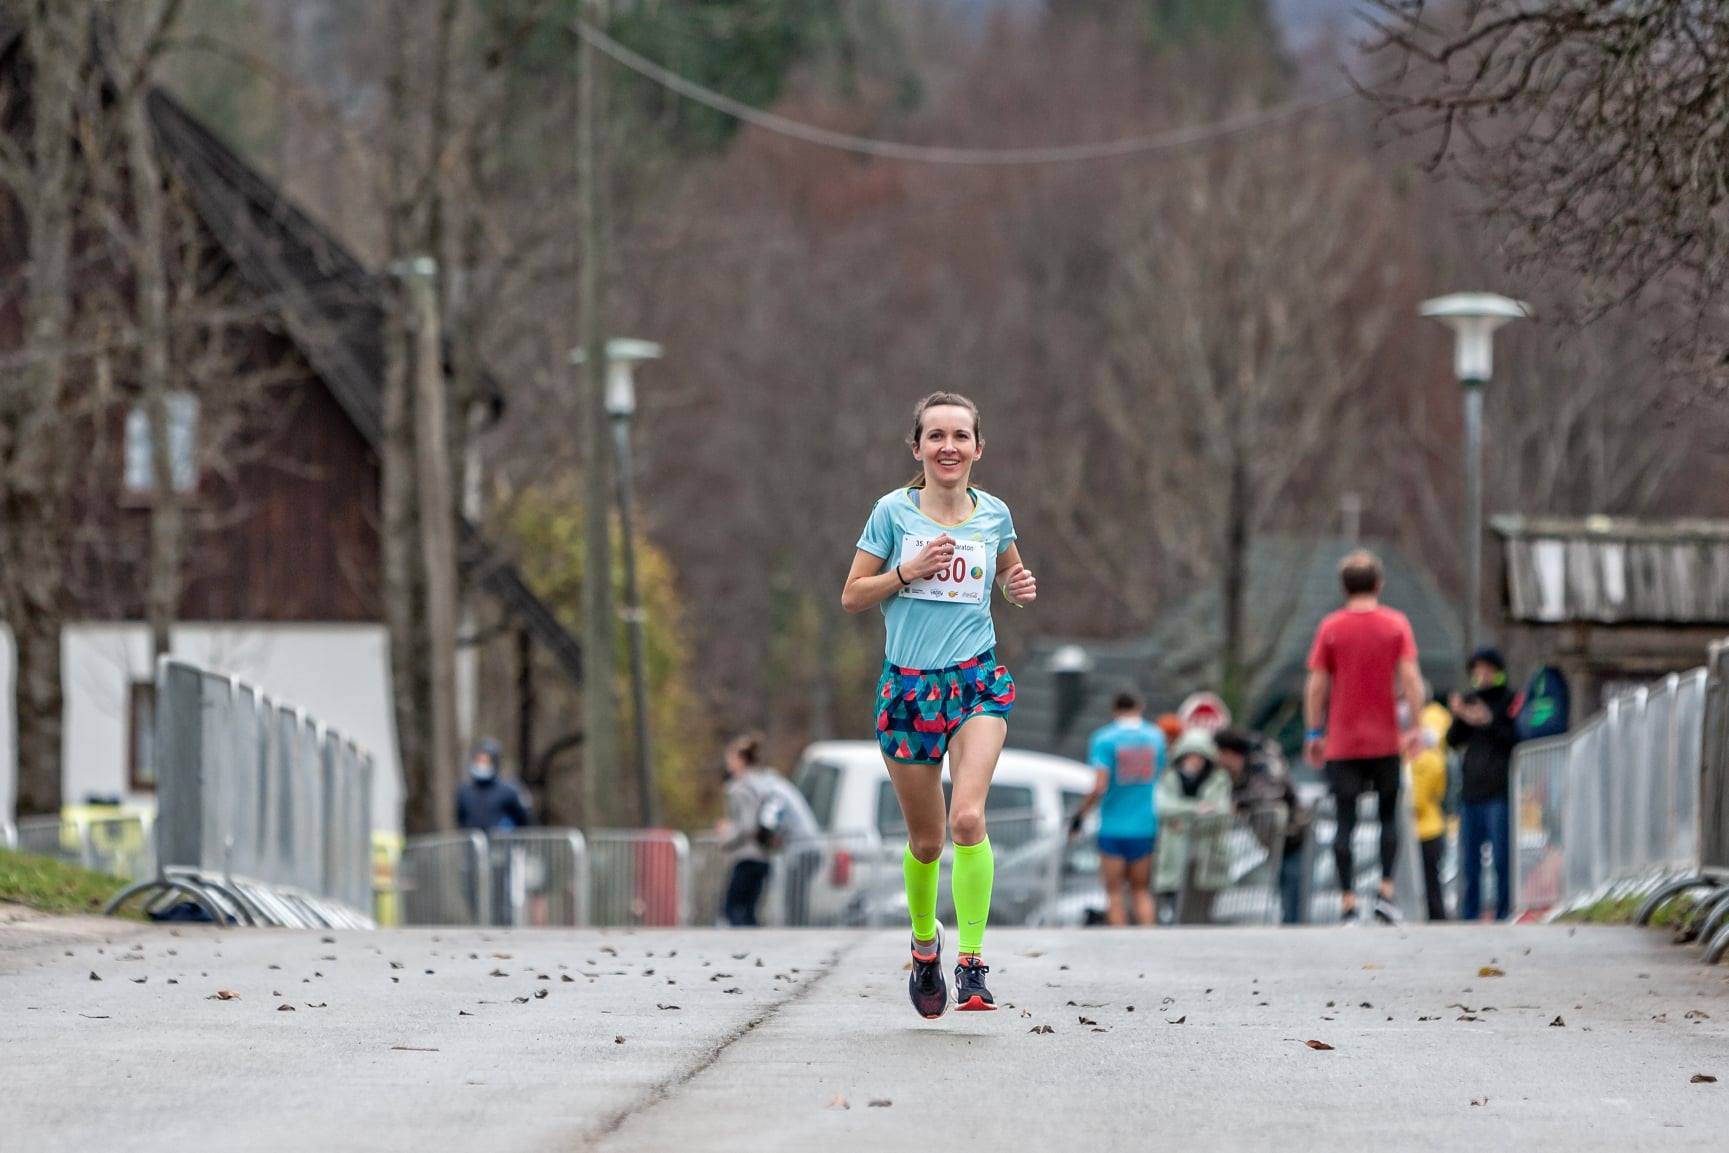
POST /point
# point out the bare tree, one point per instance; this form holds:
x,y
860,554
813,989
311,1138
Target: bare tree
x,y
37,457
1249,305
1594,129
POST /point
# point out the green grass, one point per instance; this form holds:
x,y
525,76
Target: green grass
x,y
1620,910
52,886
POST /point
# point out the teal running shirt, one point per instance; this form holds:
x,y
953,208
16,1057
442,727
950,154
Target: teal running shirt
x,y
1132,752
947,619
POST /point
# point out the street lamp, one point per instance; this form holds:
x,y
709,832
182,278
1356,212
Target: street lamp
x,y
1069,666
1473,317
622,357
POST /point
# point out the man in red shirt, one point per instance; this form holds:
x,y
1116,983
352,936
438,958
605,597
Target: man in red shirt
x,y
1364,658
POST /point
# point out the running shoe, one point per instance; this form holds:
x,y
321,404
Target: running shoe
x,y
1387,912
1349,919
970,992
925,985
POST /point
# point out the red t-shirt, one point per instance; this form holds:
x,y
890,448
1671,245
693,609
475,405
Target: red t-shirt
x,y
1361,651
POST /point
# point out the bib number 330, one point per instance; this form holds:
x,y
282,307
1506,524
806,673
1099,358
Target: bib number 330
x,y
963,582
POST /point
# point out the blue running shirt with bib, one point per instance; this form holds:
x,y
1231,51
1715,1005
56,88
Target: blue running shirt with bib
x,y
928,628
1133,753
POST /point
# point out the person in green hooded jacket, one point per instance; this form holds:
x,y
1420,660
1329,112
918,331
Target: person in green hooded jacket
x,y
1194,818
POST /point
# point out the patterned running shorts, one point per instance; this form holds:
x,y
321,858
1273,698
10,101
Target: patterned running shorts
x,y
918,710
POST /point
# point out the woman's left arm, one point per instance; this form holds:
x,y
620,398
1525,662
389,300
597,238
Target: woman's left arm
x,y
1016,579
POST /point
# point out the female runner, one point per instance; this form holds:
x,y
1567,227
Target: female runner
x,y
929,555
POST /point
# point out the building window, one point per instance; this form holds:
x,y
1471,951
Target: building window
x,y
141,745
182,446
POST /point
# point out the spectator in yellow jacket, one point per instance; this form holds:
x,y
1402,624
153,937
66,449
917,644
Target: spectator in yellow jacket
x,y
1428,794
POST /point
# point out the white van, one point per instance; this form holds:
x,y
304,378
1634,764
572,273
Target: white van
x,y
854,877
848,788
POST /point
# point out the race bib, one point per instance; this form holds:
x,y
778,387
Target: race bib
x,y
963,582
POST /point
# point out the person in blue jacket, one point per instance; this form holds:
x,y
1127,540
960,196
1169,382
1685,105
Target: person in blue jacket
x,y
486,801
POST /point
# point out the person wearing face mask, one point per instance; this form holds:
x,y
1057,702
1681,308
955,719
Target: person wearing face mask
x,y
487,802
1485,726
1194,815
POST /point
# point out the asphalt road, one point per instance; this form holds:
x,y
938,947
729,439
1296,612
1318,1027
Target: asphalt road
x,y
532,1041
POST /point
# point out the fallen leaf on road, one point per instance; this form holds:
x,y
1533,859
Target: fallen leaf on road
x,y
319,1005
1131,1008
735,989
1491,971
412,1049
618,1040
520,1000
285,1007
1479,1100
1702,1079
393,965
1557,1023
141,980
603,948
498,973
1026,1012
541,994
1467,1017
881,1103
1697,1015
104,1017
1366,1005
506,956
1087,1021
1180,1020
666,1007
93,975
273,966
223,995
332,940
464,1013
839,1102
567,977
1042,1029
1321,1045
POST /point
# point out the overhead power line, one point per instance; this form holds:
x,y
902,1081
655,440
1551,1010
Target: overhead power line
x,y
1171,140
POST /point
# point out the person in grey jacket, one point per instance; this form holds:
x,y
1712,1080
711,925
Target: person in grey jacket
x,y
765,814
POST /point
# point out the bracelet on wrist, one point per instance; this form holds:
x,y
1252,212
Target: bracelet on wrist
x,y
904,581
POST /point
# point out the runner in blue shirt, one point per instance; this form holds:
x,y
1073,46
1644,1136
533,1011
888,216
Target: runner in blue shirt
x,y
929,556
1129,755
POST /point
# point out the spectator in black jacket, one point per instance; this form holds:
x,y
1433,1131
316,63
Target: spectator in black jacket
x,y
1485,727
1259,786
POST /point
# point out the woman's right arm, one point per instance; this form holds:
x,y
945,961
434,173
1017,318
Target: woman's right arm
x,y
869,583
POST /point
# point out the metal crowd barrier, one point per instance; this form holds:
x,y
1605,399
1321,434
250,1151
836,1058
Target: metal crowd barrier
x,y
1616,801
1708,919
639,877
828,880
445,879
260,794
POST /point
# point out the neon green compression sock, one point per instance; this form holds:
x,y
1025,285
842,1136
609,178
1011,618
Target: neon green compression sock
x,y
921,878
975,868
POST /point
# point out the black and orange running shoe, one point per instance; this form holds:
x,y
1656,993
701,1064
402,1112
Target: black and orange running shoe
x,y
925,985
970,992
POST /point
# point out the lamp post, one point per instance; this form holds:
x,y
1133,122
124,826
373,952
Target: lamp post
x,y
1473,317
622,357
1069,666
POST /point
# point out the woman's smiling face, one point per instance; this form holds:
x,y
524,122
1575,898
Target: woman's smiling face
x,y
948,443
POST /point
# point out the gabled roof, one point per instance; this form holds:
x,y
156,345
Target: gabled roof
x,y
1623,571
330,305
